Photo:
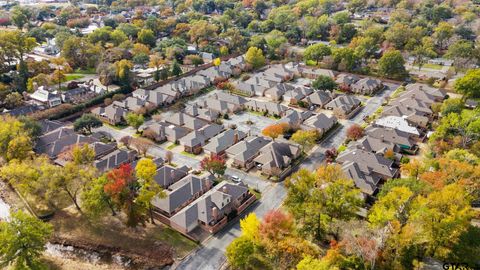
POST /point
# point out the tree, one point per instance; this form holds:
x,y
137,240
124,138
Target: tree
x,y
95,201
193,59
61,68
391,207
123,68
23,240
142,145
85,123
176,69
469,84
202,30
134,120
249,226
240,252
324,82
305,138
442,33
466,125
214,164
424,52
19,148
21,16
169,157
316,52
275,130
145,172
12,140
123,188
355,132
147,37
392,65
463,54
13,100
254,57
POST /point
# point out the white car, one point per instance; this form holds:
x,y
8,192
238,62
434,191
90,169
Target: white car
x,y
235,179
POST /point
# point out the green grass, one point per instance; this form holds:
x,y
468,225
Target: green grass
x,y
73,76
397,92
188,154
171,146
431,66
85,71
256,193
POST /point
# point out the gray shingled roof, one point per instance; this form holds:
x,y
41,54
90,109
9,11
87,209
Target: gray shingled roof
x,y
224,140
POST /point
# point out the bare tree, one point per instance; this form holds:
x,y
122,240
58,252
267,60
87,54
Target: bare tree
x,y
169,157
142,145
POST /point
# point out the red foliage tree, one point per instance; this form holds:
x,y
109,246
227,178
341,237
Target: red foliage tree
x,y
330,155
119,179
214,164
355,132
276,225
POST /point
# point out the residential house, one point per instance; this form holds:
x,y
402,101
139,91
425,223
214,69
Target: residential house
x,y
313,74
237,101
99,88
114,159
206,114
320,122
194,141
398,123
251,89
277,156
414,117
158,98
424,92
259,84
180,194
47,126
219,144
403,140
166,175
215,73
367,86
344,106
57,141
238,64
111,114
279,71
141,93
165,131
368,170
268,108
295,118
209,212
319,98
295,95
346,80
44,97
24,110
77,95
185,120
276,92
244,152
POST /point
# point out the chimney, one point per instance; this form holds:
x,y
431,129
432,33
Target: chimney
x,y
172,174
383,138
420,87
235,137
225,189
215,213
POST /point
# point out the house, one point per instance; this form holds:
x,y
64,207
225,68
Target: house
x,y
276,156
114,159
367,86
185,120
99,88
219,144
320,122
346,80
207,57
295,118
237,101
164,131
215,73
295,95
77,95
414,117
261,83
209,212
278,71
471,104
244,152
57,141
131,104
194,141
238,64
169,89
158,98
24,110
424,92
367,169
251,89
375,145
166,175
344,106
268,108
403,140
180,194
47,126
43,97
207,114
141,93
398,123
276,92
313,74
413,103
111,114
319,98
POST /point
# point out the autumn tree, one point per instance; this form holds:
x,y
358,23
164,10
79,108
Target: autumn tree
x,y
61,68
254,57
168,157
134,120
142,145
316,52
201,30
392,65
23,239
355,132
275,130
95,200
305,138
214,164
469,84
14,139
156,61
145,172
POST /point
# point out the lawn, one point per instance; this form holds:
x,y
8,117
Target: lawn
x,y
188,154
73,76
171,146
431,66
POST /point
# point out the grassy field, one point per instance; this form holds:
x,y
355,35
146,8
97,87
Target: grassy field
x,y
85,71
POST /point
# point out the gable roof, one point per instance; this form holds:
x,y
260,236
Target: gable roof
x,y
368,162
224,140
277,154
247,148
